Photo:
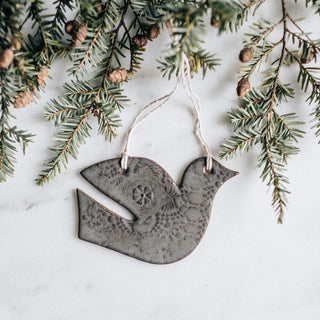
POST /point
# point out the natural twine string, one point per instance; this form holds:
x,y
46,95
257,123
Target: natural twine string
x,y
184,77
186,82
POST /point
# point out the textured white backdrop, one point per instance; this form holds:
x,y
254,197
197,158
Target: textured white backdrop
x,y
246,267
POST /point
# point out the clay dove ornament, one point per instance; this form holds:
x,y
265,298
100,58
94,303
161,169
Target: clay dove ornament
x,y
169,220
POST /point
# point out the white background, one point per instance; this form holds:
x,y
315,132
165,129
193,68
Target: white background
x,y
247,266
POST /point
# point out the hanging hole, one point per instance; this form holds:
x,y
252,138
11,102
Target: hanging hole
x,y
207,171
208,168
123,171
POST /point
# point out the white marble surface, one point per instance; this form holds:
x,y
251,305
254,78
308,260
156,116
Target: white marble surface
x,y
246,267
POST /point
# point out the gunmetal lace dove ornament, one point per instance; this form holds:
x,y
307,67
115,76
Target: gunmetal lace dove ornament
x,y
169,220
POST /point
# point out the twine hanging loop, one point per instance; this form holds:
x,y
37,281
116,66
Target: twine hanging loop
x,y
184,78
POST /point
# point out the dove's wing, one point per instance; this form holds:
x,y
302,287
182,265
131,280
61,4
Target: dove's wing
x,y
143,188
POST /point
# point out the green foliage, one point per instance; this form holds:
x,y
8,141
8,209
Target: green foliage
x,y
9,135
108,46
10,85
186,21
46,42
186,27
315,4
258,122
230,15
59,18
69,137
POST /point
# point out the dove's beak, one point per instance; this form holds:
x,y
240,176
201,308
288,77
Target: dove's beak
x,y
233,173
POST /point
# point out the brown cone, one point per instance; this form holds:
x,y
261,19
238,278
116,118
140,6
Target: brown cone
x,y
79,36
99,8
140,41
16,44
245,55
71,27
305,59
23,99
42,75
243,87
6,58
215,23
153,32
118,75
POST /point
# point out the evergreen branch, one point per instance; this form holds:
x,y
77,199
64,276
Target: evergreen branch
x,y
305,75
204,60
60,115
282,55
278,134
3,120
60,18
308,77
296,25
59,9
80,97
266,32
283,153
246,116
314,3
8,135
241,141
83,92
20,136
109,59
271,172
230,16
72,135
35,10
93,41
105,126
248,70
309,42
137,18
316,115
132,49
185,25
11,84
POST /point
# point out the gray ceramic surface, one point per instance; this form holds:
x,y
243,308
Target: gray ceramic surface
x,y
168,220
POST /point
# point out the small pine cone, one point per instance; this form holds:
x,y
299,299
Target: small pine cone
x,y
79,36
16,44
140,41
6,58
42,75
214,22
245,55
99,8
23,99
243,87
118,75
71,27
305,59
153,32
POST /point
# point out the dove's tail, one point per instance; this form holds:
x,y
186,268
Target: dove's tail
x,y
101,226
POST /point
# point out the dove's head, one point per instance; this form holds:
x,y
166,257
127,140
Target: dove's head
x,y
197,178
